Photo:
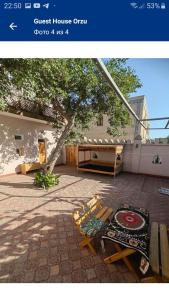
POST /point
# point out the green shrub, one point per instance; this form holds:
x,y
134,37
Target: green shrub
x,y
46,180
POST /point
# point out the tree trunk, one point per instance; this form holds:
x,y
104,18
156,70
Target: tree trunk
x,y
56,152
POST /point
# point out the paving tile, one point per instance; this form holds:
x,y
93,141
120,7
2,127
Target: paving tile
x,y
39,241
42,274
106,279
87,262
117,277
18,269
53,251
94,280
91,274
76,264
74,254
67,279
121,267
32,254
69,233
61,229
73,246
54,259
17,279
85,252
53,236
128,277
62,235
79,275
100,270
62,241
64,256
44,244
97,260
54,270
112,267
55,279
53,242
65,267
43,261
31,264
43,252
29,276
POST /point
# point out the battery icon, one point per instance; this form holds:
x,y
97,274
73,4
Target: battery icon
x,y
162,5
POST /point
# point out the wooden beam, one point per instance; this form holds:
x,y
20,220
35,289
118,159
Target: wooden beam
x,y
164,247
154,248
119,255
95,171
126,260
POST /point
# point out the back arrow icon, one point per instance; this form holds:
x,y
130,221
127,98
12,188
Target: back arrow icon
x,y
13,26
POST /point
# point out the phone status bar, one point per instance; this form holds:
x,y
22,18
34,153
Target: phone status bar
x,y
137,6
26,5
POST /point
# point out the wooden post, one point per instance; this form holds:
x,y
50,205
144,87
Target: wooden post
x,y
84,155
115,163
77,156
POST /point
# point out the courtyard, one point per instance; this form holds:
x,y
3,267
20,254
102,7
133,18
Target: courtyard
x,y
38,239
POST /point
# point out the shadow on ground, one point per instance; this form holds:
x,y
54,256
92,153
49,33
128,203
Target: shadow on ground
x,y
38,239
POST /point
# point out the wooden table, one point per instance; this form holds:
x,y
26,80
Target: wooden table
x,y
128,232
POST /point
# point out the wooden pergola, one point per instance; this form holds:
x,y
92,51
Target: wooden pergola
x,y
88,159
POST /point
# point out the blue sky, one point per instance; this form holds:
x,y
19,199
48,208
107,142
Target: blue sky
x,y
154,75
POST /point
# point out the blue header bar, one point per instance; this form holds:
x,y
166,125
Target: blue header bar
x,y
72,20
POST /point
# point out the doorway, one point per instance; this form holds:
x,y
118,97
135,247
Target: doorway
x,y
42,151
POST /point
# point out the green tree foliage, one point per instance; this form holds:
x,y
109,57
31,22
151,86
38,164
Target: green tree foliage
x,y
74,88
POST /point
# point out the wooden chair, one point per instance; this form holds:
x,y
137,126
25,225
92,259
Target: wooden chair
x,y
122,254
94,208
159,254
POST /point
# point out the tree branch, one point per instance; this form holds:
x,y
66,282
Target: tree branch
x,y
57,106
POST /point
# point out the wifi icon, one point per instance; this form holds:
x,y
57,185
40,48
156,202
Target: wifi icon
x,y
134,5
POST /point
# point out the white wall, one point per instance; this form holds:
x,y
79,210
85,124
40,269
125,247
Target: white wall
x,y
31,131
139,159
103,156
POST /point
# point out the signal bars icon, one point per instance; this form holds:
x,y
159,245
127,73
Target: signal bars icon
x,y
137,5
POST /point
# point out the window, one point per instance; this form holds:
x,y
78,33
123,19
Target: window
x,y
20,151
18,137
41,140
100,121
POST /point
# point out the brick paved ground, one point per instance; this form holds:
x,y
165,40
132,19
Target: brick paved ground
x,y
38,240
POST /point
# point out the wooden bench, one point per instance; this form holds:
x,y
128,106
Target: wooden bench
x,y
29,167
100,212
159,253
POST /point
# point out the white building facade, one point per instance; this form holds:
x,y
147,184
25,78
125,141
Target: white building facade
x,y
98,129
21,140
